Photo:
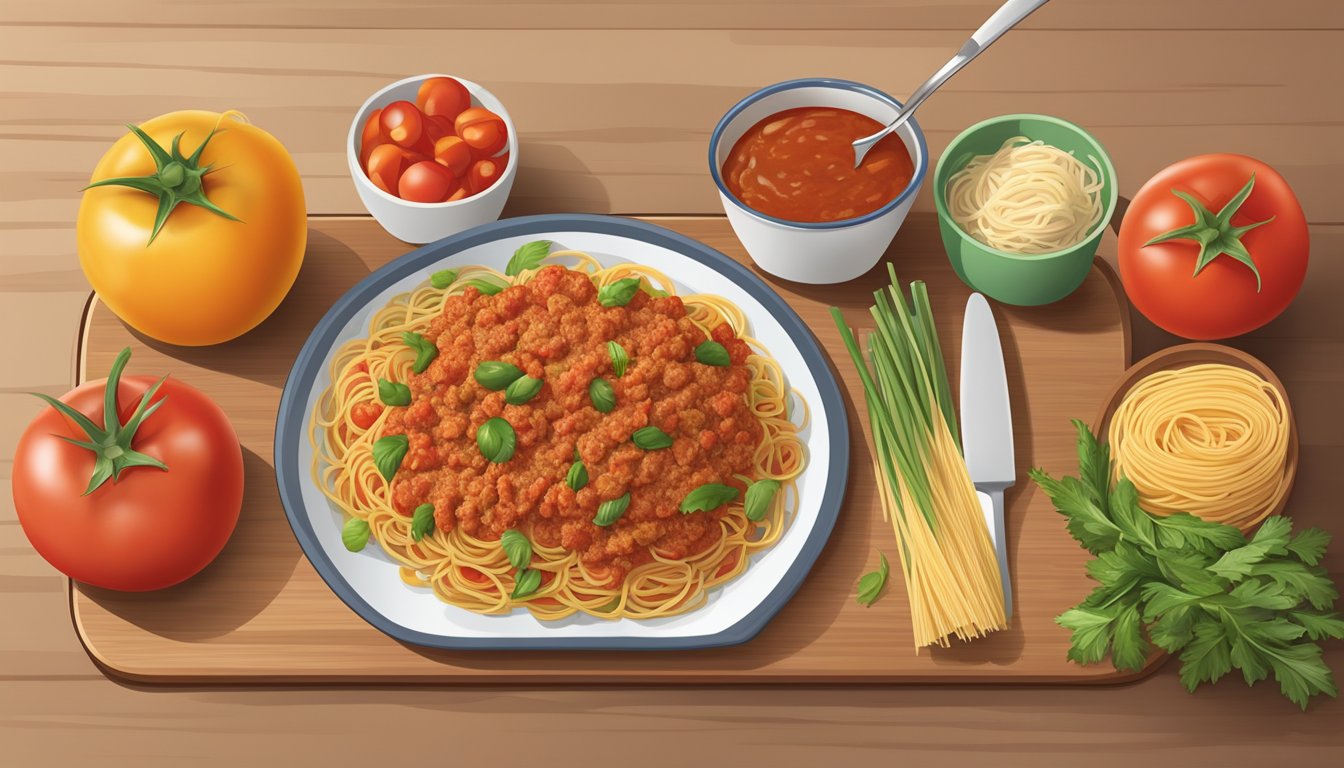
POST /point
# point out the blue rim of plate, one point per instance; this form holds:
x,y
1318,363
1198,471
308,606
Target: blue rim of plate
x,y
715,172
291,422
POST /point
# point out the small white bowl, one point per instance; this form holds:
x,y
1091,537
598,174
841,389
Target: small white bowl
x,y
420,223
822,252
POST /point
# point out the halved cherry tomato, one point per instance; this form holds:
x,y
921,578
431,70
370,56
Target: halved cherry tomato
x,y
485,173
436,128
371,136
442,97
384,167
402,122
454,154
426,182
483,130
461,193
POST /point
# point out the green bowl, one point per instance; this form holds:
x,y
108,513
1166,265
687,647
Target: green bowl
x,y
1015,278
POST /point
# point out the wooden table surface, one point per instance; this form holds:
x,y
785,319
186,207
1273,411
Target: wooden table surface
x,y
615,102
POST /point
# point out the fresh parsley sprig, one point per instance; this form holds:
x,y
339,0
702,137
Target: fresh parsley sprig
x,y
1194,588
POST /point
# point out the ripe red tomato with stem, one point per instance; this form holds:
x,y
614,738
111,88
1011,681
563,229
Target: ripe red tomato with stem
x,y
1213,246
129,483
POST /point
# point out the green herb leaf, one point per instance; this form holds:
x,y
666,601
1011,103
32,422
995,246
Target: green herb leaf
x,y
355,534
1320,625
521,390
443,278
1183,530
657,293
1087,523
393,393
760,497
611,510
871,583
577,476
517,548
486,287
495,375
707,497
602,395
1207,657
496,439
527,257
1309,545
526,583
619,293
1091,629
619,358
422,521
388,453
712,353
425,351
1129,649
651,439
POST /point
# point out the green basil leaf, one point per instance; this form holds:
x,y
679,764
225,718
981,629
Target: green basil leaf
x,y
425,351
388,453
522,390
871,584
422,521
602,395
528,257
496,440
760,497
707,497
619,359
393,393
651,438
577,476
611,510
495,375
577,457
517,548
486,287
443,278
657,293
619,293
712,353
527,582
355,534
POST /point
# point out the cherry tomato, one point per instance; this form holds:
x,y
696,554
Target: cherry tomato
x,y
371,136
485,173
454,154
461,193
402,123
436,128
384,167
483,130
426,182
442,97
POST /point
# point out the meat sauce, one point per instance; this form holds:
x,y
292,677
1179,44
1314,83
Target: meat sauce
x,y
798,165
554,329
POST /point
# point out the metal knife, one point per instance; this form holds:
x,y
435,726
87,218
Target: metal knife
x,y
987,424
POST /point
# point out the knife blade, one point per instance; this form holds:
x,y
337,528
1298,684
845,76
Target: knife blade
x,y
987,424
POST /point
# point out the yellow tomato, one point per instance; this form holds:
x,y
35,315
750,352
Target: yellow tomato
x,y
203,275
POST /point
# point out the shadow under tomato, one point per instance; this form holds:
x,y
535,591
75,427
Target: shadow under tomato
x,y
254,566
265,353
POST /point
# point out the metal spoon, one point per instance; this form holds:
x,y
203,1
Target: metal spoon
x,y
1009,15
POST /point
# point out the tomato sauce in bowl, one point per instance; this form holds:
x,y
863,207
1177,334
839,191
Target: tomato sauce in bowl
x,y
798,165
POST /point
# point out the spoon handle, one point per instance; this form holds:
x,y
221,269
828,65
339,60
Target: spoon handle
x,y
1009,15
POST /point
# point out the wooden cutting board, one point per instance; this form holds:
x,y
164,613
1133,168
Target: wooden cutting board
x,y
260,613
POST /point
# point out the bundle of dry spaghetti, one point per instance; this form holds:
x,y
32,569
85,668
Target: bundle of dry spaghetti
x,y
1211,440
1028,197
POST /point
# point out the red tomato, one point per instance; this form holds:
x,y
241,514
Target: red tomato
x,y
143,527
485,173
1256,253
436,128
461,193
401,122
483,130
384,167
426,182
454,154
442,97
371,136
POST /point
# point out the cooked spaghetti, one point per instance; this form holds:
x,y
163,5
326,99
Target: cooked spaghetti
x,y
1028,197
616,415
1210,440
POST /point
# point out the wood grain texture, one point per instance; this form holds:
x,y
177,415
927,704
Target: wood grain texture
x,y
260,612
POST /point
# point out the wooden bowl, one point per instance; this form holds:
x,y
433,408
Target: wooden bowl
x,y
1186,355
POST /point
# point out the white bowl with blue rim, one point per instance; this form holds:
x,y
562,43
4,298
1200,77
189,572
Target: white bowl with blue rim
x,y
816,252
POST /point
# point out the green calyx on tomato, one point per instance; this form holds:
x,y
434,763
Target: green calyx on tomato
x,y
111,443
1214,232
176,179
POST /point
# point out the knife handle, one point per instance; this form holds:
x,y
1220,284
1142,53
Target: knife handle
x,y
991,503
